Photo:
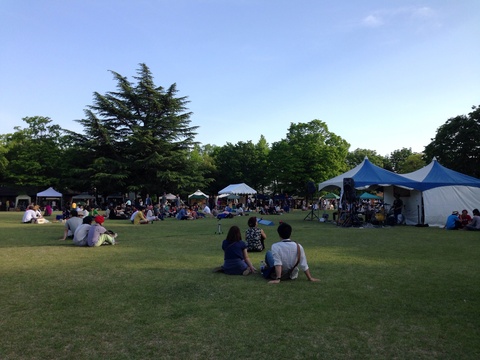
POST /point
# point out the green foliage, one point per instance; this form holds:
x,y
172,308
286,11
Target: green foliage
x,y
310,152
140,139
457,144
32,156
411,163
243,162
356,157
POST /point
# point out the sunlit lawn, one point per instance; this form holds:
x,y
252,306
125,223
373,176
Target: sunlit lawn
x,y
401,292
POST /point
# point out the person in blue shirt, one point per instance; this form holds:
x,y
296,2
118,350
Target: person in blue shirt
x,y
236,260
453,221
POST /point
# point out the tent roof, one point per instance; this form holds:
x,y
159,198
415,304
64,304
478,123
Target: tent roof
x,y
50,192
331,196
239,189
366,196
170,196
435,175
367,174
198,195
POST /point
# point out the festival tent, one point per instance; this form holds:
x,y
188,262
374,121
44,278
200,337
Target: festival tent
x,y
198,195
238,189
170,196
368,196
444,191
23,200
366,175
49,194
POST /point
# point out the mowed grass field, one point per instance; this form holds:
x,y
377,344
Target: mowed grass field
x,y
390,293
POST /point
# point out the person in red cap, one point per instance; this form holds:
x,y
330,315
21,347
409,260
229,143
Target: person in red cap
x,y
98,235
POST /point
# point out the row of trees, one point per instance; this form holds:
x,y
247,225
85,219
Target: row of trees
x,y
139,139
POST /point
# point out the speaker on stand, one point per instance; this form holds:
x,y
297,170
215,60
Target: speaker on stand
x,y
311,188
349,203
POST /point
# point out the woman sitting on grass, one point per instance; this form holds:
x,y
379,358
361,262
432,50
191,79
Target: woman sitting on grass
x,y
255,236
236,260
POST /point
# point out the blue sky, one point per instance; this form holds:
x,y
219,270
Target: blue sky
x,y
383,75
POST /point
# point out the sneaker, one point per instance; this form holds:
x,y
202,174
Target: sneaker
x,y
247,271
218,269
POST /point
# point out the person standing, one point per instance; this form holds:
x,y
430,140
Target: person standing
x,y
285,258
397,209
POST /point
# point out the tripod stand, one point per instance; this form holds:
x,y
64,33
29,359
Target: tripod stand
x,y
351,219
311,215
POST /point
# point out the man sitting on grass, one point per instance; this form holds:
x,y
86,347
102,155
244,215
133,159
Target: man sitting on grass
x,y
98,235
475,223
285,258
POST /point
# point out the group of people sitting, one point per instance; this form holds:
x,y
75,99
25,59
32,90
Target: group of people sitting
x,y
282,262
464,221
80,229
33,215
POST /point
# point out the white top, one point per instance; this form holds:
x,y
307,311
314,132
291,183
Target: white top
x,y
29,215
285,254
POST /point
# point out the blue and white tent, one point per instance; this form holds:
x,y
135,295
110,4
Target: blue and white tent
x,y
367,175
444,190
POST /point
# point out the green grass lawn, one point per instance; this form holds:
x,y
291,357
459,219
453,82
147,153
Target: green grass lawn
x,y
391,293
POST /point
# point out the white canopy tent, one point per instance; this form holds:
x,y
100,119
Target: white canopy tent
x,y
198,195
50,194
238,189
22,200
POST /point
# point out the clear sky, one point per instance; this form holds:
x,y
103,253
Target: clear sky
x,y
383,75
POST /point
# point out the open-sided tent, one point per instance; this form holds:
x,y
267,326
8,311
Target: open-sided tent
x,y
368,196
330,196
50,195
444,190
238,189
199,195
366,175
23,201
170,196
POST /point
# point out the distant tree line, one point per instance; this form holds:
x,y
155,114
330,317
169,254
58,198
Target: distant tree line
x,y
138,138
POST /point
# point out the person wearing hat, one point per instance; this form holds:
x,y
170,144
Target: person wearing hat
x,y
75,220
98,235
80,236
453,221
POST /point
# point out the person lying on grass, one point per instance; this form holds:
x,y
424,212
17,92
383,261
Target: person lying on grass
x,y
236,260
285,258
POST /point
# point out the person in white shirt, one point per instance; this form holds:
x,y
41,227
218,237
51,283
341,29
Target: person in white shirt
x,y
285,258
80,237
29,216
